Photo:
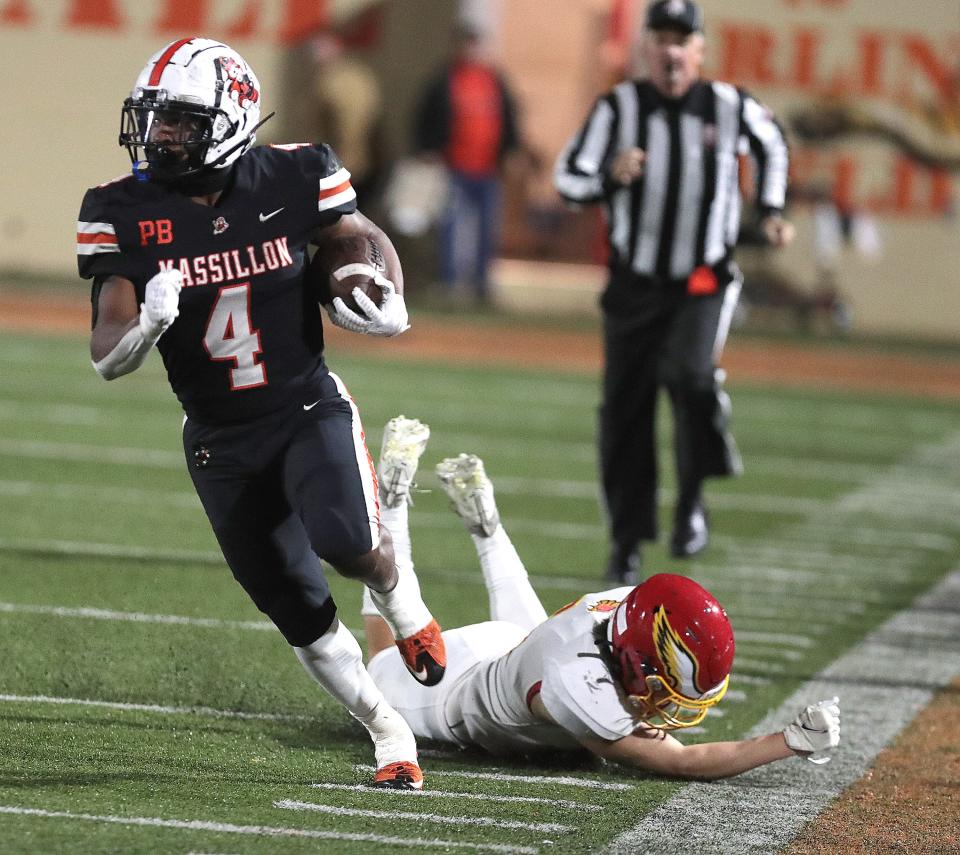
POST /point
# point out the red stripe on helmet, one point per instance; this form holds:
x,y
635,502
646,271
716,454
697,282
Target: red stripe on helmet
x,y
164,61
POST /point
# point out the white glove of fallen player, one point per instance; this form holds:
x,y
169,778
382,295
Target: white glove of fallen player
x,y
161,303
817,728
388,319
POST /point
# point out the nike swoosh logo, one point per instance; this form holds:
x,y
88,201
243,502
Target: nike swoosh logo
x,y
264,217
311,406
421,675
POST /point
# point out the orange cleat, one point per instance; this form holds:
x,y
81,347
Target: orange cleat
x,y
424,654
402,775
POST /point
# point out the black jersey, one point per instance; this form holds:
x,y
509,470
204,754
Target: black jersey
x,y
249,336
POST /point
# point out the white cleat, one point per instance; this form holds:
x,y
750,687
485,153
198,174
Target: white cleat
x,y
403,442
466,483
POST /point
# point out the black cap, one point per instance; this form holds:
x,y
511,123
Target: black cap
x,y
683,15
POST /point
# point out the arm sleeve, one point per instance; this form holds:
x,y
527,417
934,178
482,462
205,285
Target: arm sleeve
x,y
579,174
99,249
769,148
326,176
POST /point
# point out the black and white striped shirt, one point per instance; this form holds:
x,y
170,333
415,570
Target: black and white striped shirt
x,y
684,211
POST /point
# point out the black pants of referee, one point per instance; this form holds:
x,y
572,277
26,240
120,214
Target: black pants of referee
x,y
656,335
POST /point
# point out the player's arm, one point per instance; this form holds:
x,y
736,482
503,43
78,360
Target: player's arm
x,y
356,224
816,728
659,752
123,333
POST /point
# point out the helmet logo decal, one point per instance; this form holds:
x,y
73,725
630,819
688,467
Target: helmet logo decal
x,y
239,85
678,662
603,606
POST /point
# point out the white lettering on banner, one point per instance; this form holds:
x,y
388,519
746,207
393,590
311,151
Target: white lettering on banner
x,y
890,90
227,266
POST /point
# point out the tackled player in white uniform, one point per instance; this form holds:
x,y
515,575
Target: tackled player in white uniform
x,y
614,672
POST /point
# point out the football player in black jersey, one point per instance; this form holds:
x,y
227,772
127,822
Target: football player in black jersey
x,y
202,252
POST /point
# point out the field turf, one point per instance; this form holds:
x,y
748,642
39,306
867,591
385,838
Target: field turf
x,y
147,707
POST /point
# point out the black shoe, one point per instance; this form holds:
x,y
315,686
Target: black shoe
x,y
623,569
691,531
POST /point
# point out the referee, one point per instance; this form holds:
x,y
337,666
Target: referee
x,y
661,155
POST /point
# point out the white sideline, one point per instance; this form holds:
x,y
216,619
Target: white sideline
x,y
880,691
266,830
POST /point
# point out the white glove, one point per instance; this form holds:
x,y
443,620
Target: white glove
x,y
817,728
341,316
388,319
161,303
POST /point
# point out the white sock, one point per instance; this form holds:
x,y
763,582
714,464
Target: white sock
x,y
512,597
334,660
397,522
368,608
402,608
393,740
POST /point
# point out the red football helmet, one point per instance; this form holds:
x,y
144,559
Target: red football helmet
x,y
674,644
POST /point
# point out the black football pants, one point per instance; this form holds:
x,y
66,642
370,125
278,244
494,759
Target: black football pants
x,y
673,341
279,492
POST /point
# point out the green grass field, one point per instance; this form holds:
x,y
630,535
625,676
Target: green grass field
x,y
199,732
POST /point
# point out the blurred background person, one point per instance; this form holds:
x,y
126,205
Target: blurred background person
x,y
346,110
660,153
467,119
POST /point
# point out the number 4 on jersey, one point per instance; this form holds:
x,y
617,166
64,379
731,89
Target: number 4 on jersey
x,y
230,336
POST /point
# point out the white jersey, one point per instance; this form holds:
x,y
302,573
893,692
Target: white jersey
x,y
490,705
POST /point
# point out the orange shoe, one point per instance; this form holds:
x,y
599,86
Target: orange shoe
x,y
424,654
402,775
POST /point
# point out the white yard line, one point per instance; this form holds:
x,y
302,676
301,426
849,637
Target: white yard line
x,y
882,683
135,617
756,503
266,830
503,777
151,708
453,794
417,816
88,453
84,548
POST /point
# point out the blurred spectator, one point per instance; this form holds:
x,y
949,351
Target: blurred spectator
x,y
467,120
347,113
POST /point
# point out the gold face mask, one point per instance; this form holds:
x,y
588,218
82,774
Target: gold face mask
x,y
663,708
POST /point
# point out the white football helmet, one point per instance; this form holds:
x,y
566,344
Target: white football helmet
x,y
194,106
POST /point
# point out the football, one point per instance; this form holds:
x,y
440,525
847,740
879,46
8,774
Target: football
x,y
340,254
